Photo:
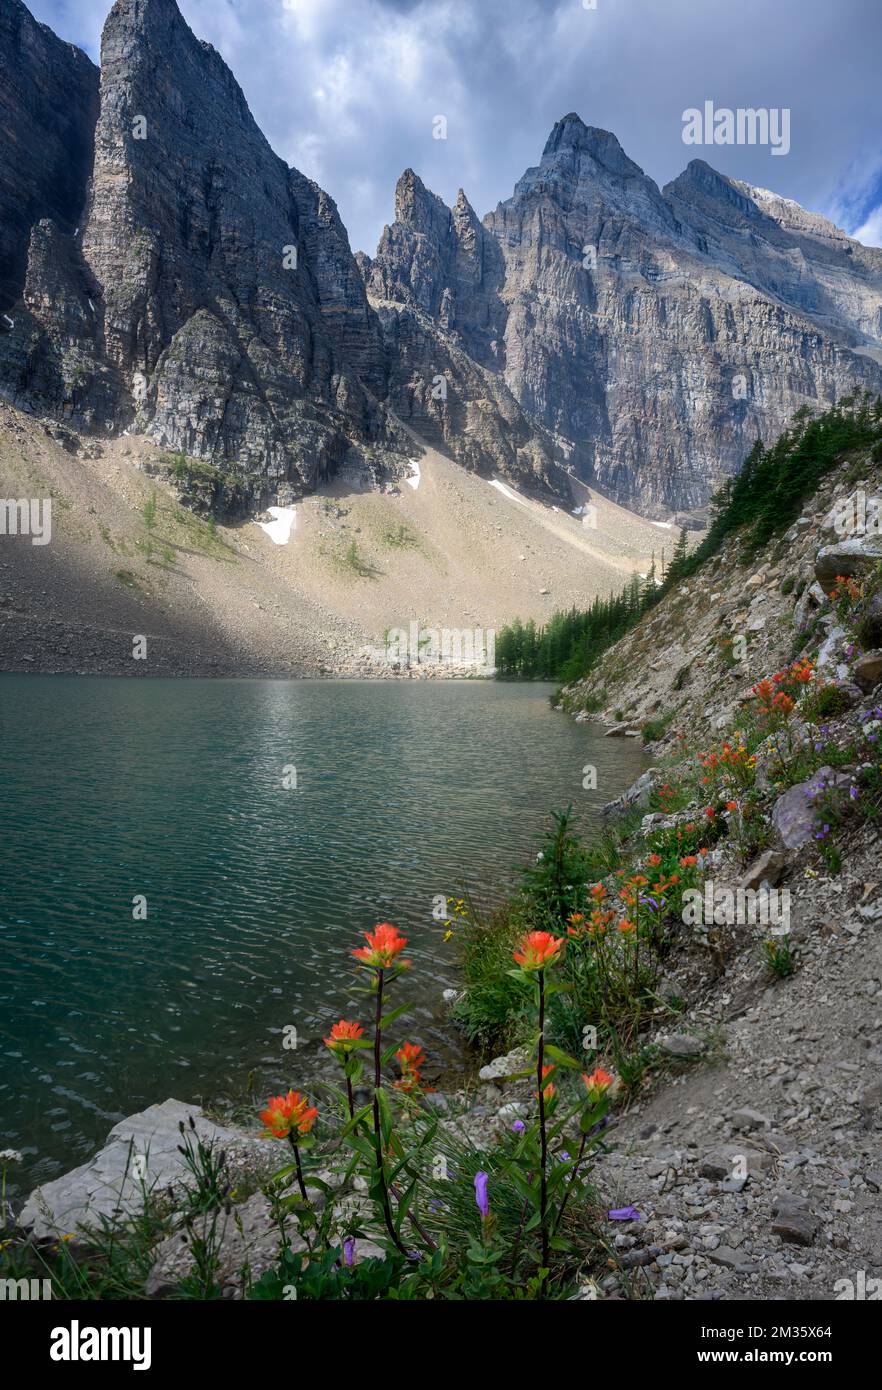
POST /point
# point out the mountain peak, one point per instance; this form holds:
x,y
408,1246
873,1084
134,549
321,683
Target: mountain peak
x,y
571,133
416,206
144,16
700,178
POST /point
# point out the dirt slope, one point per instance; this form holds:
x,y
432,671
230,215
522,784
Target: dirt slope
x,y
455,551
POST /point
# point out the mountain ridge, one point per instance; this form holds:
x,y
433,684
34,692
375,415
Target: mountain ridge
x,y
592,326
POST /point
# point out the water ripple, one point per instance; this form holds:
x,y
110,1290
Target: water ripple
x,y
255,893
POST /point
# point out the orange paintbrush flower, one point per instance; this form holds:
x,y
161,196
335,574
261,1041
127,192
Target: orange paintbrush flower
x,y
764,690
597,1083
410,1055
288,1114
384,946
549,1090
342,1038
411,1058
538,949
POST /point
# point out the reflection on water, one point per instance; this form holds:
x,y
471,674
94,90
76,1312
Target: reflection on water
x,y
264,824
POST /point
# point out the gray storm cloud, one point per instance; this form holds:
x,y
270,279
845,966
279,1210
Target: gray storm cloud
x,y
348,90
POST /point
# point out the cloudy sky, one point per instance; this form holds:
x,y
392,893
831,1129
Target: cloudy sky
x,y
348,90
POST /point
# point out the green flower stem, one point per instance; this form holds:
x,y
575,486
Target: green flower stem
x,y
350,1099
573,1175
543,1138
378,1131
300,1183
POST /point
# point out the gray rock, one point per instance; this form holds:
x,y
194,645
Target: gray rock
x,y
518,1060
871,622
682,1045
854,556
109,1184
727,1160
283,375
793,1219
513,1110
638,794
766,868
49,114
793,814
748,1119
868,670
731,1259
870,1103
244,1244
830,647
851,694
811,602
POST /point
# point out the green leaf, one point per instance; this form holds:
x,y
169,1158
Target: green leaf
x,y
393,1014
563,1058
285,1172
593,1115
529,1193
559,1174
357,1119
386,1119
404,1205
411,1154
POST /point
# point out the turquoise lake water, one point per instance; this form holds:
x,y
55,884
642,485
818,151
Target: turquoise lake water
x,y
115,790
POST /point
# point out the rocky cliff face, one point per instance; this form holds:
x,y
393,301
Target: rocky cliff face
x,y
166,272
48,109
653,335
210,298
436,283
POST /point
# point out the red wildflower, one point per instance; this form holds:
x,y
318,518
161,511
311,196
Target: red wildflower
x,y
764,690
343,1036
597,1083
285,1114
549,1090
538,949
411,1059
384,946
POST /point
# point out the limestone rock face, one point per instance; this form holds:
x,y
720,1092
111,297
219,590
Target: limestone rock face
x,y
210,298
164,271
652,334
436,283
48,109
